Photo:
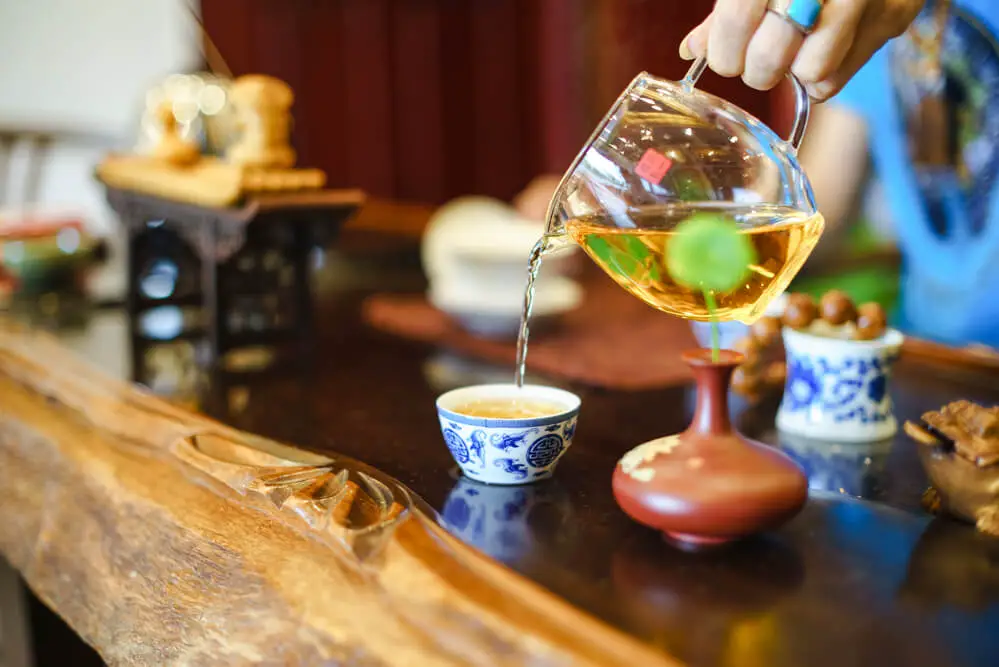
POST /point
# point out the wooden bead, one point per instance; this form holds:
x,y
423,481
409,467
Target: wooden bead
x,y
766,331
746,345
871,321
800,311
745,382
776,374
836,308
750,349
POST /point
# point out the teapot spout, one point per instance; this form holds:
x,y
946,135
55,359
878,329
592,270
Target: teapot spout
x,y
557,241
556,237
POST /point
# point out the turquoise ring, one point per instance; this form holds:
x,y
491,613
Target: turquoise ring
x,y
802,14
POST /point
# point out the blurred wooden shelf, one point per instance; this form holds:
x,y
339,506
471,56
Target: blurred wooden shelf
x,y
391,217
976,357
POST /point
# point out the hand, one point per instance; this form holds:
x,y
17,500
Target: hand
x,y
741,38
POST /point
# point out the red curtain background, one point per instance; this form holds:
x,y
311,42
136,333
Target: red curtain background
x,y
423,100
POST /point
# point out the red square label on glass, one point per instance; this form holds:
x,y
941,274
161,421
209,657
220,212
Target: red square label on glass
x,y
653,166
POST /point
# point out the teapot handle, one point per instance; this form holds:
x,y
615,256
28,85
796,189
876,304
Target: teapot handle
x,y
802,102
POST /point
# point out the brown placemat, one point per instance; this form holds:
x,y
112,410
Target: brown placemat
x,y
613,340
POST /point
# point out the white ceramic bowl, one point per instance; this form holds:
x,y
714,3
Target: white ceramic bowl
x,y
469,230
837,389
508,451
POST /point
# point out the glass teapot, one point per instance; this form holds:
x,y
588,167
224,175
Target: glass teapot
x,y
667,151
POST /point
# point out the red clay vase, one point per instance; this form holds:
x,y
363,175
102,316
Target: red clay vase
x,y
709,484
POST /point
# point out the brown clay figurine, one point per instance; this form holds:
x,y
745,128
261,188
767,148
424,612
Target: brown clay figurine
x,y
959,449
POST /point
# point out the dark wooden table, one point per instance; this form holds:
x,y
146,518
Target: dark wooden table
x,y
861,577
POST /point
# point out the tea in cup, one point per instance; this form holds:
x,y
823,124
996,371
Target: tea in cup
x,y
504,434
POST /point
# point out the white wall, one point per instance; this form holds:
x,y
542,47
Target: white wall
x,y
86,65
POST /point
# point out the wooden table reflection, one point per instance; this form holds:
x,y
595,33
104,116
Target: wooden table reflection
x,y
852,581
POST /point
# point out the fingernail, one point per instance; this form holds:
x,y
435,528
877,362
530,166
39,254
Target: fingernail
x,y
823,90
685,52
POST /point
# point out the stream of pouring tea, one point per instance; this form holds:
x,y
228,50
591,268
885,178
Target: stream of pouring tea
x,y
533,268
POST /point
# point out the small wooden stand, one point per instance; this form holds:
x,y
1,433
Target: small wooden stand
x,y
238,231
241,254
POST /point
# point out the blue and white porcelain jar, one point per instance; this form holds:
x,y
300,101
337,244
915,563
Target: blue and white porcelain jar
x,y
837,389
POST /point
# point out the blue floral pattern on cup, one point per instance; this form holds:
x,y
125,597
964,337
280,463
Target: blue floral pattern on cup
x,y
802,386
479,445
529,453
457,446
544,451
838,388
507,451
511,467
507,441
569,431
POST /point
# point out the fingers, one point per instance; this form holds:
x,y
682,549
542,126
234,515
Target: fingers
x,y
869,35
733,25
695,44
824,51
865,46
740,38
771,52
897,15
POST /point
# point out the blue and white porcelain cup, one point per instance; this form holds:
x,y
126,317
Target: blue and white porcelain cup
x,y
836,388
508,451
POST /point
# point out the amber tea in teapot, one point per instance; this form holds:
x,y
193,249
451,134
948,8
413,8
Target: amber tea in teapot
x,y
665,153
635,257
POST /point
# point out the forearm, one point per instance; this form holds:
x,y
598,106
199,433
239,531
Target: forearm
x,y
835,158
